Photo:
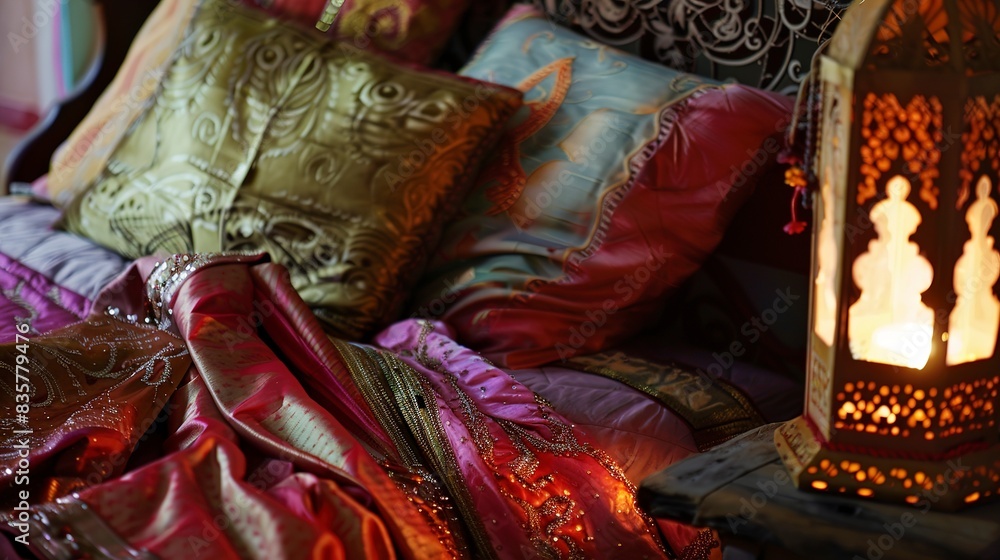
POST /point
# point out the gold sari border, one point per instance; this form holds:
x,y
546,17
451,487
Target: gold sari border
x,y
714,409
399,399
68,528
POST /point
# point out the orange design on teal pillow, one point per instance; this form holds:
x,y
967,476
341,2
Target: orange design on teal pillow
x,y
506,169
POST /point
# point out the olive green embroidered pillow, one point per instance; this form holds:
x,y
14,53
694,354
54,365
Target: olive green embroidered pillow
x,y
342,165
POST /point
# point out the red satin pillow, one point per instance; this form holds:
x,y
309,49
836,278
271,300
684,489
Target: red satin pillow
x,y
660,233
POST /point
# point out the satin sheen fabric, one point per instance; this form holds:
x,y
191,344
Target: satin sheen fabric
x,y
273,451
29,298
73,263
613,183
413,30
343,165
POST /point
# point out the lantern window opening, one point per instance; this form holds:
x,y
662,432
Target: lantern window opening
x,y
889,323
975,320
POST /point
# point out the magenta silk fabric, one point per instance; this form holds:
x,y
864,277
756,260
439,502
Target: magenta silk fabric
x,y
596,504
268,449
28,297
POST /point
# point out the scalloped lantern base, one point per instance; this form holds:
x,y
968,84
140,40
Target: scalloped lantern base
x,y
949,484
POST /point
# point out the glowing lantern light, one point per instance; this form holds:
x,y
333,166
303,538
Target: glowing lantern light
x,y
904,372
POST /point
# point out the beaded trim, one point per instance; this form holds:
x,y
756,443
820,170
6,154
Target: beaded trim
x,y
167,277
701,547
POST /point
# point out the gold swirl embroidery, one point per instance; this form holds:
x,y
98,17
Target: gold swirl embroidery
x,y
73,373
390,389
715,410
548,522
264,137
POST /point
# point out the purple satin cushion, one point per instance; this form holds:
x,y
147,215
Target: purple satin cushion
x,y
68,260
638,431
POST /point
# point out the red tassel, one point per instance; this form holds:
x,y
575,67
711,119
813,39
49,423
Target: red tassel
x,y
795,177
796,226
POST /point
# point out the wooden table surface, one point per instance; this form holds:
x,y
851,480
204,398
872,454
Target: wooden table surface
x,y
742,490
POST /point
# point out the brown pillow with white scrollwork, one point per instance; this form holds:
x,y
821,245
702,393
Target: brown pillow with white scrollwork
x,y
763,43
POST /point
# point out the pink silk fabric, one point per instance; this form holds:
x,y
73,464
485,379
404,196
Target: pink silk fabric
x,y
270,451
576,497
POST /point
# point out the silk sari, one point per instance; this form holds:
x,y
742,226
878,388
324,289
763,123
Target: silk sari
x,y
200,411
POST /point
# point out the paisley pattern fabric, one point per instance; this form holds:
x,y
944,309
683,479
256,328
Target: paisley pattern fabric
x,y
611,186
341,165
414,30
272,441
89,389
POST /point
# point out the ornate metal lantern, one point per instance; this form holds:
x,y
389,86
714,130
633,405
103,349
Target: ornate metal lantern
x,y
904,366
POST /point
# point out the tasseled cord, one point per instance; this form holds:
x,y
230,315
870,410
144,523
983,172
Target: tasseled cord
x,y
795,177
799,174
